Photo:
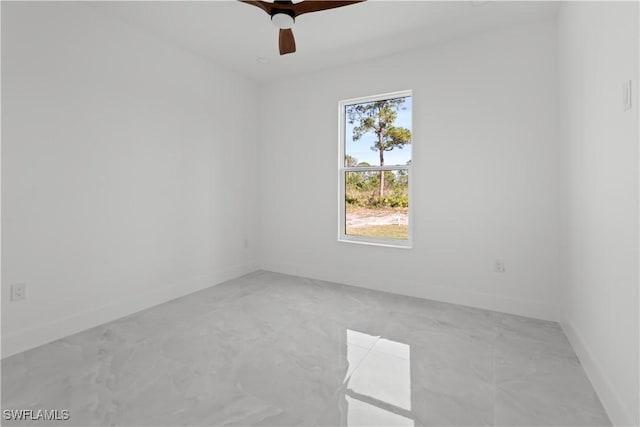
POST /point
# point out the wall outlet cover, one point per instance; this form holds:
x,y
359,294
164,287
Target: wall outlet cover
x,y
626,95
18,291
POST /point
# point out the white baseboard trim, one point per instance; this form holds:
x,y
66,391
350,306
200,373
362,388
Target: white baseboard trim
x,y
610,399
503,304
59,328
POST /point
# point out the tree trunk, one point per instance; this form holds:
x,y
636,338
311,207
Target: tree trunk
x,y
381,174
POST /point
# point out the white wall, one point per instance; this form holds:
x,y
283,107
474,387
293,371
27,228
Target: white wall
x,y
485,164
128,169
598,51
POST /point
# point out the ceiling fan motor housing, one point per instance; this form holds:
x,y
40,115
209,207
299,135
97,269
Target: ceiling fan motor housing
x,y
283,18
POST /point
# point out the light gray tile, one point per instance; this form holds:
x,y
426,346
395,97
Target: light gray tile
x,y
271,349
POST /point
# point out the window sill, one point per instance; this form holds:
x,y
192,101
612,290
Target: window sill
x,y
386,243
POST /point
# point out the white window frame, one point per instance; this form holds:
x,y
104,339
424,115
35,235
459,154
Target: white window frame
x,y
342,170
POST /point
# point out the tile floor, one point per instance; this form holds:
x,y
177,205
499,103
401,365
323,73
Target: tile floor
x,y
271,349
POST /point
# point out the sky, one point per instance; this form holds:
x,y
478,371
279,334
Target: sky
x,y
361,149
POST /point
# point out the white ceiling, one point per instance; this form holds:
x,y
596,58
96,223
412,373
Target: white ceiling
x,y
235,34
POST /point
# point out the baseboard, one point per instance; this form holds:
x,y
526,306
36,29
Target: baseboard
x,y
609,398
77,322
419,289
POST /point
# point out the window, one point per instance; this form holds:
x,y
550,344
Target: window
x,y
375,169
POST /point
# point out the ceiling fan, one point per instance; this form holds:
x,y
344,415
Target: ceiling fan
x,y
283,15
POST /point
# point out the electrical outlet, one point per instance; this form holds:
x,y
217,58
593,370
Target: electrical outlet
x,y
18,291
626,96
499,266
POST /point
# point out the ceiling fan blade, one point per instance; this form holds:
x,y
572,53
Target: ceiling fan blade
x,y
286,41
319,5
264,5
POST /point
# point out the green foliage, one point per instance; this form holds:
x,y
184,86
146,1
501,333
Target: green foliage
x,y
362,189
389,201
350,161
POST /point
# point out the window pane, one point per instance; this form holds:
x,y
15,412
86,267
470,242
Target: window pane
x,y
377,204
378,133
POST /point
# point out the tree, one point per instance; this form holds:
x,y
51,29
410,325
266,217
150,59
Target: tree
x,y
378,117
350,161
